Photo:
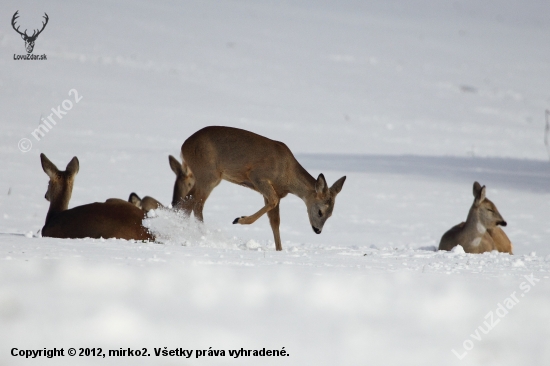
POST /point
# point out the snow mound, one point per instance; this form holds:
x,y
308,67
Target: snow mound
x,y
518,263
175,228
458,250
253,244
172,227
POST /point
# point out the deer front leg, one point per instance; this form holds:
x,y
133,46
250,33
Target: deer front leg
x,y
274,221
271,199
187,203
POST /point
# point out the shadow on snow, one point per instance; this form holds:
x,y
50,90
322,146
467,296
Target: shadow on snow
x,y
530,175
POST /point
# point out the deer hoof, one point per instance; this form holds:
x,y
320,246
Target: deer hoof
x,y
236,221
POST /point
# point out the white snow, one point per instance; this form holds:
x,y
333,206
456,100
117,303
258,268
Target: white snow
x,y
460,250
412,101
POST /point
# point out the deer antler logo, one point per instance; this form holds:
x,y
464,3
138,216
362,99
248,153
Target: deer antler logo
x,y
29,40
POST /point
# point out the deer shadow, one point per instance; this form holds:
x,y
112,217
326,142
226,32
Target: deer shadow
x,y
519,174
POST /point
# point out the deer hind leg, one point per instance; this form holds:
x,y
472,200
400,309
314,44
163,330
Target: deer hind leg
x,y
275,221
270,197
502,242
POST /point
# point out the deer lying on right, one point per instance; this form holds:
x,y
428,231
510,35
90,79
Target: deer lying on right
x,y
480,233
184,182
114,218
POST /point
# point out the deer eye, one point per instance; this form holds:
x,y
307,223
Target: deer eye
x,y
320,213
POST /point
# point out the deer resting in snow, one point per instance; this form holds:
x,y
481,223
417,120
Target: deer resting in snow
x,y
184,182
114,218
146,203
480,233
266,166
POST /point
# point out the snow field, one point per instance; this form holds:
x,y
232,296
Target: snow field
x,y
411,101
330,316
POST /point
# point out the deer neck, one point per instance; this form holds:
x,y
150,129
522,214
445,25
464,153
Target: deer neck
x,y
176,196
473,228
302,184
59,204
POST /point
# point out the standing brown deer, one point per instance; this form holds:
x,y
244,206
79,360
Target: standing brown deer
x,y
184,182
114,218
480,232
266,166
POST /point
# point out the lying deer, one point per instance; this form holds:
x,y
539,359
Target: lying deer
x,y
480,233
146,203
266,166
113,219
184,182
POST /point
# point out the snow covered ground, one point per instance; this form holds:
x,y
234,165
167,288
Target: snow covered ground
x,y
412,101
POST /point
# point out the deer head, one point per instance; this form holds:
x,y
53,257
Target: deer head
x,y
485,210
321,202
185,180
29,40
60,186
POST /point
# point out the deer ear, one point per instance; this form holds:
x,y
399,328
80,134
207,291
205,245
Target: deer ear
x,y
481,195
23,36
321,185
476,189
175,165
337,186
49,168
73,166
135,200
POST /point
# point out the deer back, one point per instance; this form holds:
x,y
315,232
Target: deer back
x,y
112,219
231,154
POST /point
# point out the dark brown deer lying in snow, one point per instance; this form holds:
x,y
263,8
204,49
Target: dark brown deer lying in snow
x,y
480,233
114,218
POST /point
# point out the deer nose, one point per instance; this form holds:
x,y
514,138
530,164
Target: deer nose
x,y
317,231
502,223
